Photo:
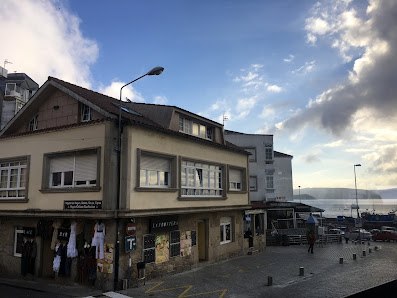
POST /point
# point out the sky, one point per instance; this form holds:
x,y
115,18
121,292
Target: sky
x,y
320,76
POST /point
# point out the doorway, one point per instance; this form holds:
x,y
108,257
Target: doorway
x,y
47,258
202,228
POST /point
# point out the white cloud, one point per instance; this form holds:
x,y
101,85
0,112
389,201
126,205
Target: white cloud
x,y
129,92
334,144
42,38
274,88
289,59
160,100
307,67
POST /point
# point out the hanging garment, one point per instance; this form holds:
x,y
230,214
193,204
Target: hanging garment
x,y
32,256
25,257
56,225
57,259
72,251
99,239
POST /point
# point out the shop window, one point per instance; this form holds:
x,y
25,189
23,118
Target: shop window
x,y
226,230
78,169
175,244
18,239
13,178
149,248
247,226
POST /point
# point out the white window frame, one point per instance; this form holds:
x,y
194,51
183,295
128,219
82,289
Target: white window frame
x,y
33,123
8,166
203,131
88,183
198,189
86,113
224,223
255,178
235,183
268,152
18,230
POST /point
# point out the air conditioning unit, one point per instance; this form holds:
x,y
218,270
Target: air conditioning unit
x,y
3,72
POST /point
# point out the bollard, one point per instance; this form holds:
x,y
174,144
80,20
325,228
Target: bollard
x,y
363,253
340,260
369,250
269,280
354,257
355,242
376,248
301,271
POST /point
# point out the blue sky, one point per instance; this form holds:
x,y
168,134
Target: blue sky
x,y
318,75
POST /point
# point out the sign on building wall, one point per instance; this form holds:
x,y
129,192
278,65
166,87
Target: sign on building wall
x,y
82,205
186,243
105,265
164,224
63,234
162,248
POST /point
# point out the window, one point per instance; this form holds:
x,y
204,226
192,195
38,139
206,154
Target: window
x,y
201,179
259,226
154,171
235,179
268,152
175,244
253,183
193,128
251,157
73,169
18,239
13,178
269,182
33,123
86,113
226,230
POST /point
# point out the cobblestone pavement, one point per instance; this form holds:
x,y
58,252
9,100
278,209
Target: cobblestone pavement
x,y
247,276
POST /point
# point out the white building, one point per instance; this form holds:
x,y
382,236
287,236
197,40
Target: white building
x,y
283,176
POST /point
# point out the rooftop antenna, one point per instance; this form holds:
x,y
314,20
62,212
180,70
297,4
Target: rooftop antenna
x,y
225,118
5,62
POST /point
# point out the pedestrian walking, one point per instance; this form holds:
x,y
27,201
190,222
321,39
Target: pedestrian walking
x,y
347,236
311,239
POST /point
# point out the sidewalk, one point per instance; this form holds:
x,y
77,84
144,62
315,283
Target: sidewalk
x,y
247,276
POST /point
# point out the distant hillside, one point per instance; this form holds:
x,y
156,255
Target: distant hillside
x,y
388,194
339,193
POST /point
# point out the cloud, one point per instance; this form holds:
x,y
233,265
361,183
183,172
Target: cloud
x,y
311,158
160,100
307,67
274,88
289,59
129,92
334,144
371,82
42,38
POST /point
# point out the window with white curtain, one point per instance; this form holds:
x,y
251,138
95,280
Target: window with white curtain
x,y
225,230
155,171
78,169
13,178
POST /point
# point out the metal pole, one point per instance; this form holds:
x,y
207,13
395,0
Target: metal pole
x,y
300,194
355,184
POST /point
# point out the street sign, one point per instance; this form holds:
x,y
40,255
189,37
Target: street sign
x,y
130,243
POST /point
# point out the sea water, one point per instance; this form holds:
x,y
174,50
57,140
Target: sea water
x,y
334,207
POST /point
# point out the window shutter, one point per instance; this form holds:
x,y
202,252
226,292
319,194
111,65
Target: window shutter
x,y
235,176
61,164
253,182
155,163
86,167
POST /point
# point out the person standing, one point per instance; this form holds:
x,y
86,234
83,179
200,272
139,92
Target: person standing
x,y
347,236
311,239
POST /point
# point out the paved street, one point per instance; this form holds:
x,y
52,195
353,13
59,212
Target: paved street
x,y
247,276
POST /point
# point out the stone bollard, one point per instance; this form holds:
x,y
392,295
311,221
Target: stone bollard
x,y
340,260
301,271
355,242
363,253
354,257
369,250
270,280
376,248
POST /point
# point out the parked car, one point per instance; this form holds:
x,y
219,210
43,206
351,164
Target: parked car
x,y
336,231
374,231
360,234
385,236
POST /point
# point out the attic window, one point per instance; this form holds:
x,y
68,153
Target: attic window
x,y
33,123
125,109
86,113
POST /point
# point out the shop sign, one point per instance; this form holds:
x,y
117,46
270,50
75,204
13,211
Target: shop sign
x,y
82,205
164,224
130,243
29,232
130,229
63,234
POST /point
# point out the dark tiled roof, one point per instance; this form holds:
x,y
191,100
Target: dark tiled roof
x,y
280,154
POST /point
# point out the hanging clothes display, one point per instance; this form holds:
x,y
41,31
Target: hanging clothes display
x,y
32,256
72,251
25,257
99,239
56,225
57,259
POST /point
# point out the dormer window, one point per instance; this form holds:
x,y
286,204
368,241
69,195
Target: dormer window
x,y
196,129
33,123
86,113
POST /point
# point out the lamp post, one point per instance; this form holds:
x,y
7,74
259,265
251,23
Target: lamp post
x,y
300,194
155,71
355,184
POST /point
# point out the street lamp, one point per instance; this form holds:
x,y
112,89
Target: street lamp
x,y
300,194
355,184
155,71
